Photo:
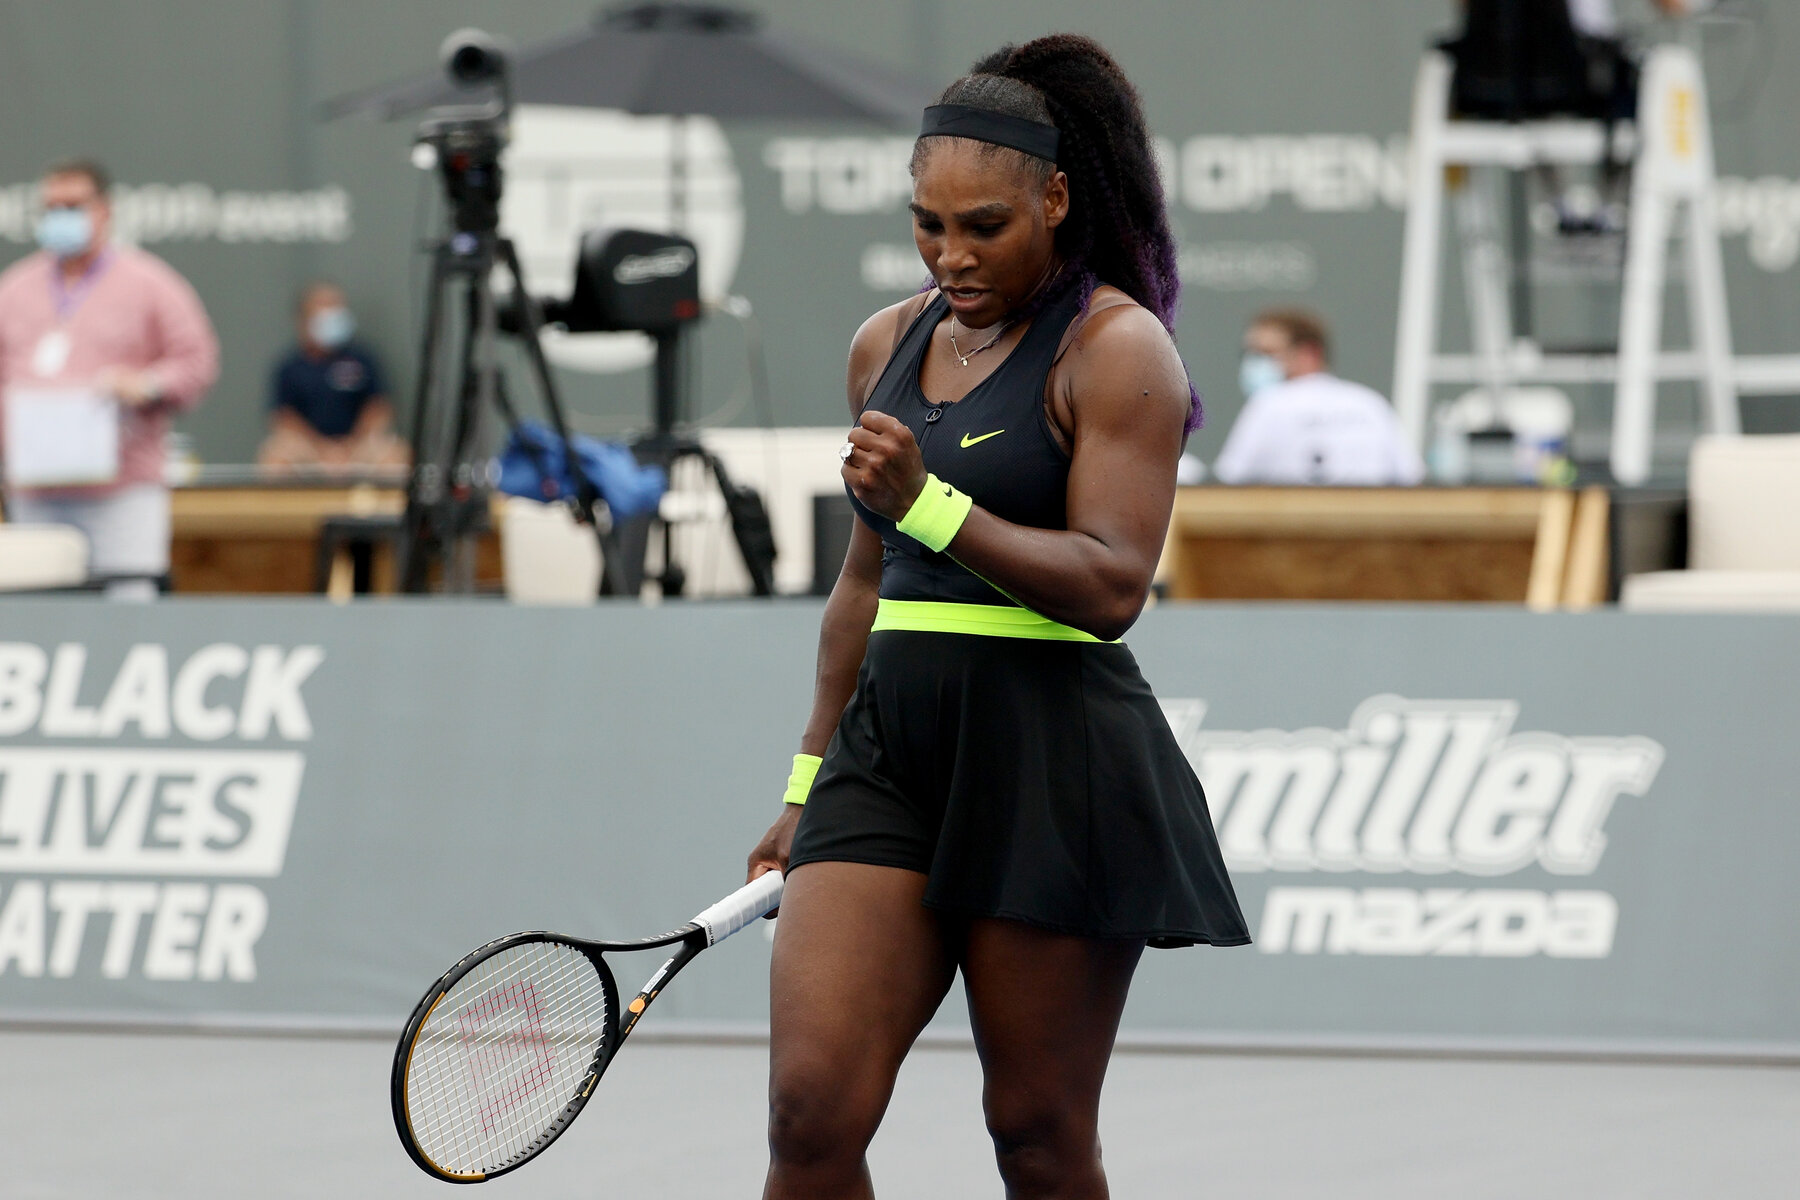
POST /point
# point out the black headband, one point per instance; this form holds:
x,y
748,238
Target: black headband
x,y
985,125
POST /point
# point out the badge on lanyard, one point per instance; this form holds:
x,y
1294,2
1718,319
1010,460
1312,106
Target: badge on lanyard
x,y
51,355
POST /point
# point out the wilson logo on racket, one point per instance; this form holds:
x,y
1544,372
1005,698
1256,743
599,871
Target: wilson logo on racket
x,y
509,1057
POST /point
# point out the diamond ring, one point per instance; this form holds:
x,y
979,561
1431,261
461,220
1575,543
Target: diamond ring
x,y
845,451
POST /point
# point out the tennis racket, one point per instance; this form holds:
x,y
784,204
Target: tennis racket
x,y
504,1050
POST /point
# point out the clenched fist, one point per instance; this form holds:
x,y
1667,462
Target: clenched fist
x,y
885,469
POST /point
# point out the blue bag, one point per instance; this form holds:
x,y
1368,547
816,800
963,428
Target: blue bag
x,y
533,465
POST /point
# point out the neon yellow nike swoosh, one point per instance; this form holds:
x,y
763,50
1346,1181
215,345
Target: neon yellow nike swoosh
x,y
968,441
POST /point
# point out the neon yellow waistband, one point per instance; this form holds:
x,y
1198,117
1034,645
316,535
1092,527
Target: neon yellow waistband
x,y
986,620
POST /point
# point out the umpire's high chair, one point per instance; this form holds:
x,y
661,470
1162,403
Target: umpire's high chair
x,y
1668,150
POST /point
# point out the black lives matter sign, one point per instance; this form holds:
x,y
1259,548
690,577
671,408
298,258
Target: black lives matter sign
x,y
141,801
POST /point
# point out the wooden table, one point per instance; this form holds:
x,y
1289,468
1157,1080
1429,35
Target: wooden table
x,y
1537,546
259,539
263,538
1542,547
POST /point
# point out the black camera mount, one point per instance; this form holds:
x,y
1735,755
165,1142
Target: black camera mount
x,y
634,280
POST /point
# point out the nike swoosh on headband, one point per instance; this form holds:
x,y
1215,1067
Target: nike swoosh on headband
x,y
968,441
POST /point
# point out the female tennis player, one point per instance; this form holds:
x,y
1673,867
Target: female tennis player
x,y
986,781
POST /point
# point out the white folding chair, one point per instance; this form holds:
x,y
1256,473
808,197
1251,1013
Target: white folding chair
x,y
42,557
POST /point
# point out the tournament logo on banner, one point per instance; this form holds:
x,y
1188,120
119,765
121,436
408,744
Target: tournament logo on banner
x,y
121,860
1316,174
1423,791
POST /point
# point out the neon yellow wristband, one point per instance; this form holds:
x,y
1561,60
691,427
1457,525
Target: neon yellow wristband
x,y
800,781
936,515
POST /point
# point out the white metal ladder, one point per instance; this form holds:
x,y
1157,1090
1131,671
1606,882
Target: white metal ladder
x,y
1671,176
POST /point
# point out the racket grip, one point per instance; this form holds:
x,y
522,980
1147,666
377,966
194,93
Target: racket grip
x,y
743,906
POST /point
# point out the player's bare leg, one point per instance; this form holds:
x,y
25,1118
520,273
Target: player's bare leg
x,y
860,965
1045,1008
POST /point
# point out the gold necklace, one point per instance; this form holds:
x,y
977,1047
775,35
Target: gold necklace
x,y
964,358
1050,270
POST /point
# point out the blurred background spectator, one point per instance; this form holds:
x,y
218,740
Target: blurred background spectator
x,y
99,345
1303,425
329,406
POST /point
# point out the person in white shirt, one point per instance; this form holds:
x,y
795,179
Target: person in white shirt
x,y
1303,425
1600,18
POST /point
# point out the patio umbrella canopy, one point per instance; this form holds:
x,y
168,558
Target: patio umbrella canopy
x,y
678,60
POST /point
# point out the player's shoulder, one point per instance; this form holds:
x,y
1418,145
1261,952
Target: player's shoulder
x,y
884,327
1114,355
1113,335
875,341
1114,323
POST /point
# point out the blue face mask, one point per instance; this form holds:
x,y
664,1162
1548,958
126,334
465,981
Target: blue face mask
x,y
65,232
1257,372
331,327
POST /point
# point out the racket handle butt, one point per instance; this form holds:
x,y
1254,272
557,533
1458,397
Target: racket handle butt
x,y
743,906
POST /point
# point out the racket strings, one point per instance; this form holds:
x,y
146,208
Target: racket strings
x,y
501,1055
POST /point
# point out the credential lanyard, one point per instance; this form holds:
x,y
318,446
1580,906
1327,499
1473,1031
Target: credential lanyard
x,y
69,299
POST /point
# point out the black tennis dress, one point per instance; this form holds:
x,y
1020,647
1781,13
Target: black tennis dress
x,y
1023,766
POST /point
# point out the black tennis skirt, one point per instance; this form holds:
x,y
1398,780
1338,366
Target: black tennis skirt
x,y
1032,780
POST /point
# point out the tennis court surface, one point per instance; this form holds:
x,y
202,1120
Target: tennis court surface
x,y
184,1117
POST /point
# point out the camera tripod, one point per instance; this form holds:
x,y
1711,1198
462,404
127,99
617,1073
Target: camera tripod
x,y
447,499
448,495
665,447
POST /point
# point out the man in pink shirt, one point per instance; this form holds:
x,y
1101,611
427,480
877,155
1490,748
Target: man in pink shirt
x,y
83,313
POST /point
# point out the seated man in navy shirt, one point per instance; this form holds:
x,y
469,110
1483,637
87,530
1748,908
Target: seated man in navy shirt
x,y
329,406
